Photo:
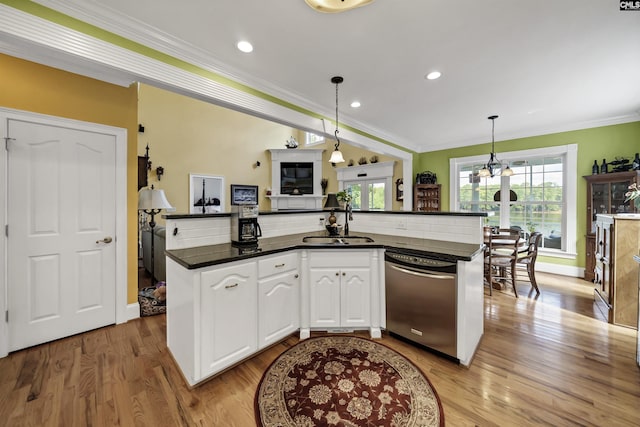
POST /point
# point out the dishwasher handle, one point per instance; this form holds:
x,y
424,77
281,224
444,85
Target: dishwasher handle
x,y
422,273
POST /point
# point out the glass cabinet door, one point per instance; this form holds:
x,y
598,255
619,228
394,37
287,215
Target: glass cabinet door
x,y
618,190
600,203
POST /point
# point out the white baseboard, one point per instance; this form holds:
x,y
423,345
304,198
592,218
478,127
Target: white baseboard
x,y
563,270
133,311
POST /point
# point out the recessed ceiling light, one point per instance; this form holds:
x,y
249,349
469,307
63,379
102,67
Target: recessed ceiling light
x,y
355,104
245,46
433,75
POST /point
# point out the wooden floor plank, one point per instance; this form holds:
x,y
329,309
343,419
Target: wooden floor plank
x,y
545,361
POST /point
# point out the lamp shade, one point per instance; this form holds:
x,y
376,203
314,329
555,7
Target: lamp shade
x,y
507,171
149,198
336,157
332,201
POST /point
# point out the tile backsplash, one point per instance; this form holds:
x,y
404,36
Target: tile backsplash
x,y
192,232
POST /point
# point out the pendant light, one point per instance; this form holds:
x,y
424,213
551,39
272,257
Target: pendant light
x,y
493,164
336,156
334,6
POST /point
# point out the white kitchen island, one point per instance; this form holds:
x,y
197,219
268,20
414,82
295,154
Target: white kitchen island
x,y
224,304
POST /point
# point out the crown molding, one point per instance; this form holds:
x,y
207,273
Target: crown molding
x,y
115,22
534,132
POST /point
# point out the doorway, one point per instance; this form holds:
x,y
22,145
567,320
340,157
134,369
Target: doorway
x,y
65,200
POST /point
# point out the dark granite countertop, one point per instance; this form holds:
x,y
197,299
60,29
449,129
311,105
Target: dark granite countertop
x,y
203,256
288,212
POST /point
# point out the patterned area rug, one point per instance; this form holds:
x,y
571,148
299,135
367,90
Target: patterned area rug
x,y
345,381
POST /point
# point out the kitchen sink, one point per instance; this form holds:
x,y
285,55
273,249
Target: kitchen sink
x,y
337,240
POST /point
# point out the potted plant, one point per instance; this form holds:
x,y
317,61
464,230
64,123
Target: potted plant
x,y
343,196
633,195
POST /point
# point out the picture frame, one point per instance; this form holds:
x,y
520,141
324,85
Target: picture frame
x,y
244,194
206,194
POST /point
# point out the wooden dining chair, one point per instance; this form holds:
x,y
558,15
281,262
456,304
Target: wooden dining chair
x,y
528,259
503,254
488,279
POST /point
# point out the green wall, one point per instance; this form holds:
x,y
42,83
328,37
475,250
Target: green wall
x,y
606,142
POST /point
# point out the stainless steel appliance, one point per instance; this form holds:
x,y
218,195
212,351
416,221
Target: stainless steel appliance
x,y
245,229
421,301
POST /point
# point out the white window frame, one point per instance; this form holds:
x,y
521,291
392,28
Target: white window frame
x,y
311,139
569,196
364,193
373,172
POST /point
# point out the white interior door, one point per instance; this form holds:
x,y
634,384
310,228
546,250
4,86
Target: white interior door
x,y
61,211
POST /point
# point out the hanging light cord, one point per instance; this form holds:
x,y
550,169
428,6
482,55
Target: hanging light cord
x,y
337,80
493,139
336,132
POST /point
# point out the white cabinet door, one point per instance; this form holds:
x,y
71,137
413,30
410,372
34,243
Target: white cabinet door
x,y
278,307
355,302
229,307
324,295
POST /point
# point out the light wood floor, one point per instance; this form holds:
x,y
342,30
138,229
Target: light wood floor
x,y
547,361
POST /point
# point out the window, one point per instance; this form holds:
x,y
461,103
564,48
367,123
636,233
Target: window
x,y
539,196
367,195
313,139
370,185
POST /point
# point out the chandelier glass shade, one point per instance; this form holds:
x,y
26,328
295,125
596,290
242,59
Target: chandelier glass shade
x,y
335,6
494,165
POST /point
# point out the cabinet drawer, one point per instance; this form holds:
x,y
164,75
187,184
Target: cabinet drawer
x,y
340,258
277,264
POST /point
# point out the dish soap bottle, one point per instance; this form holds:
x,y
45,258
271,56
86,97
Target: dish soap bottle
x,y
604,168
595,170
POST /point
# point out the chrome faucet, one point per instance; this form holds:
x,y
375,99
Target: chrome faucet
x,y
348,215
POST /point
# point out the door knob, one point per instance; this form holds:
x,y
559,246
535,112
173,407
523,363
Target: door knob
x,y
107,239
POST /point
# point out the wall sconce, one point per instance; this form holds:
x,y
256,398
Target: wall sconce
x,y
159,172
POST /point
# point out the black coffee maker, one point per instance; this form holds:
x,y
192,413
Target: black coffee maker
x,y
245,229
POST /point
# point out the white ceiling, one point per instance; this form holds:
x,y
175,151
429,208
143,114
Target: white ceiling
x,y
543,66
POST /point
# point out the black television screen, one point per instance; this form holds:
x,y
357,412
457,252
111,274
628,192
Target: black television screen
x,y
296,176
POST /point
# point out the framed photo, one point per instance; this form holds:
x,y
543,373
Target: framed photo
x,y
244,194
206,193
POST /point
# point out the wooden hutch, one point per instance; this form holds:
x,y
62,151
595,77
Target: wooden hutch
x,y
426,197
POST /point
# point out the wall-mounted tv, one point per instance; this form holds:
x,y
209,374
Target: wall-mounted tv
x,y
296,178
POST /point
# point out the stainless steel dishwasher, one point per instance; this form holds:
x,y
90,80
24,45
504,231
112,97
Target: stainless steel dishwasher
x,y
421,301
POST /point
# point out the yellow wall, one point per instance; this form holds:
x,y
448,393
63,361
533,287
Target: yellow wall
x,y
186,136
32,87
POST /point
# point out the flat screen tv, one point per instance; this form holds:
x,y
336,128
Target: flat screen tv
x,y
296,178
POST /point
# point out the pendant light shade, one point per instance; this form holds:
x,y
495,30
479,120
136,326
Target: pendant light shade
x,y
336,156
493,165
335,6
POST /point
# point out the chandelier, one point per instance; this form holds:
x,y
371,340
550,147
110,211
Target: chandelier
x,y
490,168
335,6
